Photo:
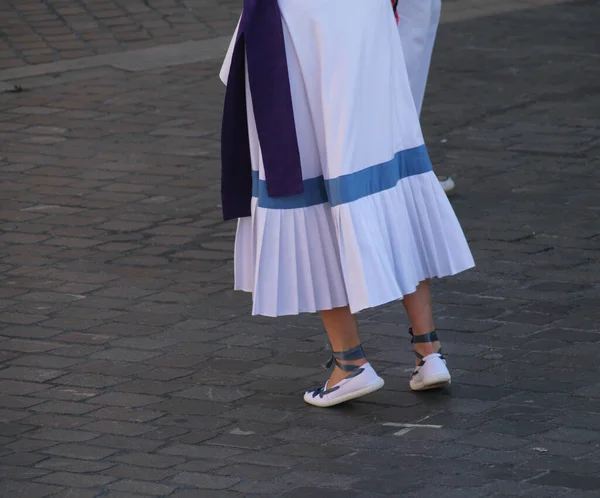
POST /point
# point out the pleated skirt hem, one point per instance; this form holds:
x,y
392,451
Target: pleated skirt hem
x,y
363,254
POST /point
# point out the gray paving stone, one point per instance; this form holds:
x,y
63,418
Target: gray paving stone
x,y
76,493
165,433
20,489
126,414
125,399
572,435
246,471
263,458
296,479
133,472
24,459
75,480
207,493
200,451
149,460
125,443
219,394
90,380
55,421
30,374
80,451
19,387
72,465
118,428
567,480
141,487
63,435
204,481
63,407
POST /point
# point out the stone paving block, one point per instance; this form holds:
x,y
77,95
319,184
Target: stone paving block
x,y
27,346
204,481
566,480
213,493
200,451
114,443
18,387
141,487
73,480
68,393
125,399
149,460
20,489
22,459
62,435
7,415
580,465
16,402
126,414
122,494
80,451
72,465
30,374
132,472
90,380
77,493
44,361
296,479
572,435
63,407
163,433
219,394
118,428
55,421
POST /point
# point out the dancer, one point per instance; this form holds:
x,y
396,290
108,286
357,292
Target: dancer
x,y
418,21
324,165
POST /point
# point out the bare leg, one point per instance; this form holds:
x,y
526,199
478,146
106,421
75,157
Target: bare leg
x,y
342,330
419,310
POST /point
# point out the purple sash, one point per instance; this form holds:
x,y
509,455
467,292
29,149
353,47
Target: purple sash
x,y
260,41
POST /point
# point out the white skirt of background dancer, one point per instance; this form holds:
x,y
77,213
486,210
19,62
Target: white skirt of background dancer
x,y
418,23
373,221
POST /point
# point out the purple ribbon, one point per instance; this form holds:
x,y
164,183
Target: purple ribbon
x,y
260,42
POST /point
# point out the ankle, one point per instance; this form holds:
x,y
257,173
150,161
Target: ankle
x,y
425,350
425,344
337,375
428,348
359,362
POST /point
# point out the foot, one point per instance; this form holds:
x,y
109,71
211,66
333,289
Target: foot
x,y
352,378
364,381
431,370
430,374
447,184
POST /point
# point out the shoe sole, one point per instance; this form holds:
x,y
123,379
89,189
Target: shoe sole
x,y
447,185
371,388
434,382
449,190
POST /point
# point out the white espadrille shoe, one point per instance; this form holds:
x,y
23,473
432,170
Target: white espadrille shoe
x,y
431,372
447,184
362,380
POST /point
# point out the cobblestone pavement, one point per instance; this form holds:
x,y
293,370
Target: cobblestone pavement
x,y
128,368
50,30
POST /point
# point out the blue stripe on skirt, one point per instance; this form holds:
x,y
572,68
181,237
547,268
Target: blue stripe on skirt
x,y
351,187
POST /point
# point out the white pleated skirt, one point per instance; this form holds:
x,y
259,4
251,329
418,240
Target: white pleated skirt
x,y
373,220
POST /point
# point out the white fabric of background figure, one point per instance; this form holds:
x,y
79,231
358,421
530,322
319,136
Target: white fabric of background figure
x,y
418,23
